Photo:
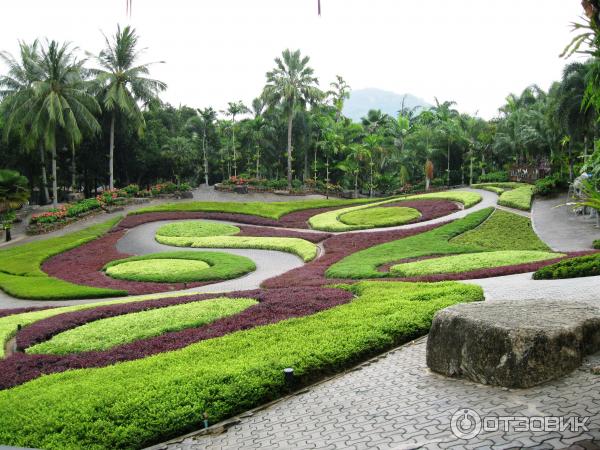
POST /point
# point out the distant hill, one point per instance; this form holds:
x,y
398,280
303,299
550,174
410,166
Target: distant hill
x,y
362,100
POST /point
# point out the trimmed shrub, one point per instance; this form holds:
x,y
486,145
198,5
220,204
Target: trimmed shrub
x,y
470,262
519,198
493,177
582,266
197,228
596,244
380,216
107,333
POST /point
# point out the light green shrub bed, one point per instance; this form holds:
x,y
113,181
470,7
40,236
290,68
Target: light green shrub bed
x,y
22,277
180,267
332,220
364,264
519,198
380,216
468,262
300,247
106,333
138,403
503,230
197,228
581,266
273,210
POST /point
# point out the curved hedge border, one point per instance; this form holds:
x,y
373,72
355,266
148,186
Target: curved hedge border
x,y
379,216
519,198
106,333
138,403
582,266
197,228
223,266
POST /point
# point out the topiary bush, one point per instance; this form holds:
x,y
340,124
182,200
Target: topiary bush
x,y
549,185
582,266
494,177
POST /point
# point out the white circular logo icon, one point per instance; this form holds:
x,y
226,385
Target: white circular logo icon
x,y
465,424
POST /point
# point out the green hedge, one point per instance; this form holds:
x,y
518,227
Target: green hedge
x,y
138,403
365,263
273,210
106,333
21,274
471,261
503,230
300,247
596,244
582,266
197,228
519,198
220,266
380,216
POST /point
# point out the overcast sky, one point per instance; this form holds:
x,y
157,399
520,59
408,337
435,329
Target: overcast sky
x,y
472,51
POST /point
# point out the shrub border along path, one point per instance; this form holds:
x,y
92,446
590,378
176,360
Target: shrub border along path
x,y
222,377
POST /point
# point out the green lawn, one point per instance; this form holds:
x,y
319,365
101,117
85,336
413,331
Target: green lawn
x,y
503,231
274,210
138,403
180,267
106,333
22,277
380,216
519,198
470,261
300,247
364,264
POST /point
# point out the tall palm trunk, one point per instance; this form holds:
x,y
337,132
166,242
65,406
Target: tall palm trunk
x,y
204,156
54,181
258,162
356,184
448,163
570,161
73,167
289,150
111,152
44,176
233,147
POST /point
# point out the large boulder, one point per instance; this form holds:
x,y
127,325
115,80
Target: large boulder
x,y
512,343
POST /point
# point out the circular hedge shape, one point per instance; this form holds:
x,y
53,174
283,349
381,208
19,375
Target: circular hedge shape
x,y
180,267
380,216
197,228
158,270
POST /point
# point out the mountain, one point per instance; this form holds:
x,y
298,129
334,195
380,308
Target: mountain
x,y
362,100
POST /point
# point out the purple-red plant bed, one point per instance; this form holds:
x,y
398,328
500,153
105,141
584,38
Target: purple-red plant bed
x,y
10,312
274,305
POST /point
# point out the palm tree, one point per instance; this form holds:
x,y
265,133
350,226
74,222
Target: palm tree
x,y
60,102
16,86
124,84
235,109
340,92
292,85
446,117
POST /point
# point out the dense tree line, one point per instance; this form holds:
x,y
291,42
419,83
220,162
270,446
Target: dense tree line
x,y
83,123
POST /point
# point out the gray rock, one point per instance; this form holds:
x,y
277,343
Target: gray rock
x,y
512,343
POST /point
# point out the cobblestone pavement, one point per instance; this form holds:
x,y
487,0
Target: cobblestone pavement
x,y
397,403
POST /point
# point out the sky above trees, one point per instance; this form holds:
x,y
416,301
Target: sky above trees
x,y
472,51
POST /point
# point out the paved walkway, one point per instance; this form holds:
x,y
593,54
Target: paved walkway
x,y
397,403
560,228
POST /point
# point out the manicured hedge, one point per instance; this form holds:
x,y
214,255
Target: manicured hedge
x,y
107,333
519,198
138,403
220,266
22,277
197,228
583,266
365,263
596,244
273,210
468,199
380,217
503,230
470,262
304,249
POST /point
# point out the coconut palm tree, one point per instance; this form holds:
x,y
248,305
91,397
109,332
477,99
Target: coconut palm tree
x,y
124,84
235,109
292,85
15,86
60,102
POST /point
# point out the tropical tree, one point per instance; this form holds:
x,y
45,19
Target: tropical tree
x,y
428,173
201,123
15,87
339,93
356,154
235,109
13,193
60,103
124,84
292,85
